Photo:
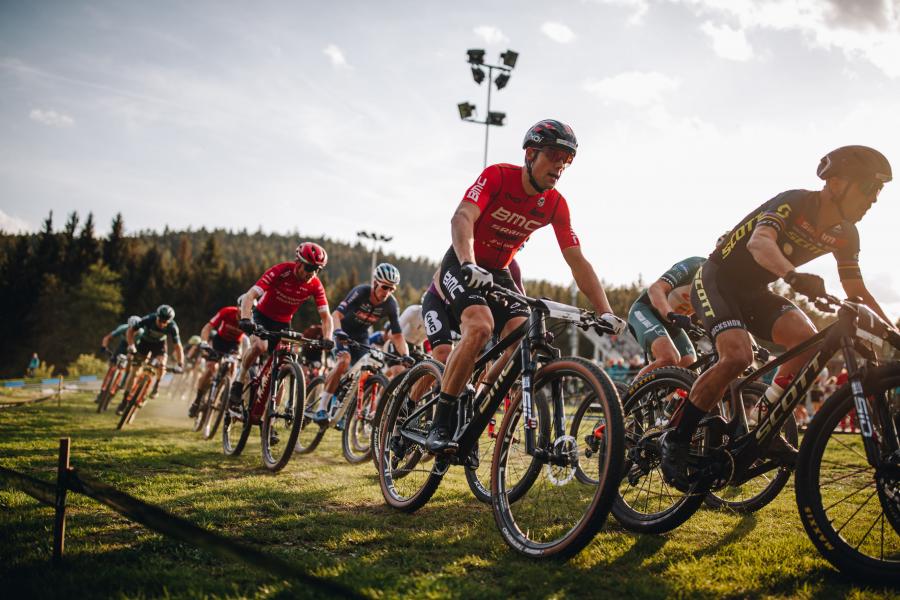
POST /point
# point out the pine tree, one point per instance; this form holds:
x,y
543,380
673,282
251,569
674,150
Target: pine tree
x,y
115,247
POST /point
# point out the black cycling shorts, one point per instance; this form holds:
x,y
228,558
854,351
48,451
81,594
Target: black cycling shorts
x,y
440,326
153,347
224,347
454,288
723,305
269,325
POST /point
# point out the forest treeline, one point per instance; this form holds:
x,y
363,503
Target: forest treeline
x,y
64,287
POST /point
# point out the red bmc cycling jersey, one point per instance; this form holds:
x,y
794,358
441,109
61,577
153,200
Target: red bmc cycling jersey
x,y
284,293
509,215
225,322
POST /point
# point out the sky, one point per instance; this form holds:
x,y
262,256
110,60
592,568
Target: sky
x,y
329,118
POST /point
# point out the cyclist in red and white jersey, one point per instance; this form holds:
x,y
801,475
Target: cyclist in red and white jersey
x,y
282,289
505,205
226,339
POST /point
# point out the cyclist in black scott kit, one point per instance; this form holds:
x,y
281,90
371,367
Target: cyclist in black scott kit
x,y
730,291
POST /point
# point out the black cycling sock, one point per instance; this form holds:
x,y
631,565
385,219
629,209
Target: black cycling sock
x,y
199,397
444,408
686,422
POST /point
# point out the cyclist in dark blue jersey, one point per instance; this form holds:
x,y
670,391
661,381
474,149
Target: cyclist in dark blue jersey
x,y
115,343
730,291
363,307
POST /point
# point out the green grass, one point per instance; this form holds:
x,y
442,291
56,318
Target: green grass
x,y
329,518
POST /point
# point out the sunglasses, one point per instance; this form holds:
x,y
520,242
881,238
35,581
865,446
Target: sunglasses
x,y
872,189
311,268
556,155
387,288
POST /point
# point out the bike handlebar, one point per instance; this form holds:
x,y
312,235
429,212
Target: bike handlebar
x,y
580,317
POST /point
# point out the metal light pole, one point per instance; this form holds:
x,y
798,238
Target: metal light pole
x,y
374,238
476,59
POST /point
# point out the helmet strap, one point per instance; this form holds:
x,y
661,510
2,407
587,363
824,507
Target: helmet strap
x,y
531,178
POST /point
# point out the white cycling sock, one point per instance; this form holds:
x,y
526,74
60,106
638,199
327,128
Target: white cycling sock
x,y
324,397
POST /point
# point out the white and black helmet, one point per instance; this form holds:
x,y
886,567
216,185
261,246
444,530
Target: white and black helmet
x,y
386,273
133,321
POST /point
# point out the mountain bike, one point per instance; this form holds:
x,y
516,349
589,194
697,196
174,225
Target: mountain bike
x,y
115,377
273,400
540,508
143,375
848,491
352,408
215,401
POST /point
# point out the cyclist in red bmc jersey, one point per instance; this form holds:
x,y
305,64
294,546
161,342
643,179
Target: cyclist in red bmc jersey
x,y
283,289
504,206
226,339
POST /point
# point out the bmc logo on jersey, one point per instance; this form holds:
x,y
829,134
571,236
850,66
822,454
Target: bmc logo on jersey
x,y
475,191
515,219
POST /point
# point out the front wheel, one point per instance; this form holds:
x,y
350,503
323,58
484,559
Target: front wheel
x,y
282,416
218,406
132,404
356,439
541,507
849,508
236,425
406,483
311,433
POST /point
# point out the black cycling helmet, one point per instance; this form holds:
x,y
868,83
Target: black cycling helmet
x,y
856,163
165,312
551,132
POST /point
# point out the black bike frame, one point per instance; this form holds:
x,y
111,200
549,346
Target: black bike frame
x,y
485,404
840,336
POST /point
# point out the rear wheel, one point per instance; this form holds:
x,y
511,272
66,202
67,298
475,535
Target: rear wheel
x,y
356,439
756,493
646,503
850,509
138,391
310,432
282,417
386,396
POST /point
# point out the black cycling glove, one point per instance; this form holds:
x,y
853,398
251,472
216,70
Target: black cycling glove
x,y
811,286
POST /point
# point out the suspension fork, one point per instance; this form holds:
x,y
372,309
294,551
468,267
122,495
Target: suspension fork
x,y
528,369
863,416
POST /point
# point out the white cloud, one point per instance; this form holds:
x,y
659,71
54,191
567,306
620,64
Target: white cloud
x,y
558,32
9,224
640,8
51,118
869,30
490,34
636,88
727,42
333,52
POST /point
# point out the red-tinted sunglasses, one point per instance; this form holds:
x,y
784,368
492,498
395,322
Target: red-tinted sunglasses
x,y
556,155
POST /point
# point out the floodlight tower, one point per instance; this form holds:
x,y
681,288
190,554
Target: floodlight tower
x,y
374,238
466,109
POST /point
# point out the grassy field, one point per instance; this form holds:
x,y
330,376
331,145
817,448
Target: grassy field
x,y
329,518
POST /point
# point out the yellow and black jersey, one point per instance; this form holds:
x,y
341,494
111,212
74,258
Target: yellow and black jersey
x,y
793,215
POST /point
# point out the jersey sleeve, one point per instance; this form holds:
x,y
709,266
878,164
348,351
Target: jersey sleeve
x,y
848,257
562,226
351,299
393,314
173,332
776,211
217,319
485,187
319,296
269,277
682,272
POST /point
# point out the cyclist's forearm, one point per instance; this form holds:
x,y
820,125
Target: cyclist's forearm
x,y
179,353
327,324
247,303
204,333
589,284
400,344
462,232
658,293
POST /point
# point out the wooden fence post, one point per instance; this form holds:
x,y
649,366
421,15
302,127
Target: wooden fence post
x,y
59,525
